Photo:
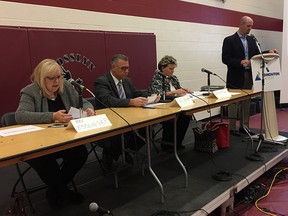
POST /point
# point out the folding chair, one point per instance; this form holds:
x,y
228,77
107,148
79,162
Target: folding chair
x,y
8,119
95,144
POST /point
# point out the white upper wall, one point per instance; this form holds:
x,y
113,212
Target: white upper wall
x,y
194,45
267,8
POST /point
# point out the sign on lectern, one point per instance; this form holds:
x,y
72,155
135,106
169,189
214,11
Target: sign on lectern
x,y
272,76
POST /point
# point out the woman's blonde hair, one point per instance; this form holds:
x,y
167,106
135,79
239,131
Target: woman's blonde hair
x,y
45,68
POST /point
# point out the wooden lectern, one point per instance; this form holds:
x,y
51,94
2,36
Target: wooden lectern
x,y
270,69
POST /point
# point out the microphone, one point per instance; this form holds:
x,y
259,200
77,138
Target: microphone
x,y
93,207
76,84
207,71
253,36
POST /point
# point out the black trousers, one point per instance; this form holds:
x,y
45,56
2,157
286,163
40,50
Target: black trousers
x,y
182,125
54,176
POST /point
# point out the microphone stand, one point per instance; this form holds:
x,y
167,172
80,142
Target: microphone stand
x,y
163,88
208,85
256,156
80,98
164,100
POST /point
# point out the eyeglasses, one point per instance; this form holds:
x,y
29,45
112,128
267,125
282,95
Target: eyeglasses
x,y
123,68
53,79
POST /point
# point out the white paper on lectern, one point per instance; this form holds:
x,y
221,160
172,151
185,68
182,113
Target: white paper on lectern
x,y
186,100
272,79
89,123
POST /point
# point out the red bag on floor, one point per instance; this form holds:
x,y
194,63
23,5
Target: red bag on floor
x,y
221,130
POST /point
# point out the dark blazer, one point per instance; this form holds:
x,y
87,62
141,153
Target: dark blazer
x,y
232,54
33,107
106,91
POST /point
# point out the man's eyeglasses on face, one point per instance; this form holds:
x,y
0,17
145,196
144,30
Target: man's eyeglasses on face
x,y
123,68
53,79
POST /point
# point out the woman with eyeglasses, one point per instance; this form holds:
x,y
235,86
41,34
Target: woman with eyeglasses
x,y
166,84
46,100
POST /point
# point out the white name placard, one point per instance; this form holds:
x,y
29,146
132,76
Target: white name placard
x,y
19,130
183,101
89,123
222,93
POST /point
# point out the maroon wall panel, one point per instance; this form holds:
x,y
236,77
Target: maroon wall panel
x,y
15,66
80,52
85,54
141,51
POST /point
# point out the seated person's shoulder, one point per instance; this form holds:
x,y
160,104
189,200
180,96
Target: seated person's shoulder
x,y
101,78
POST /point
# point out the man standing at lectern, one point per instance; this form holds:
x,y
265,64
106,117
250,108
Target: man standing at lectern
x,y
237,50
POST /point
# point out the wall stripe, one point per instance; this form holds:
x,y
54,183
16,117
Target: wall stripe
x,y
165,9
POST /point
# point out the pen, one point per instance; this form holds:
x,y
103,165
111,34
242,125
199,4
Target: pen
x,y
57,125
148,107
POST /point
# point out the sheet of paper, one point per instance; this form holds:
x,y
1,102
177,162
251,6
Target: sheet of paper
x,y
151,98
153,105
199,93
76,113
19,130
234,93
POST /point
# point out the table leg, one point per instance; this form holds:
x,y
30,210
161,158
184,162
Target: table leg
x,y
148,141
176,155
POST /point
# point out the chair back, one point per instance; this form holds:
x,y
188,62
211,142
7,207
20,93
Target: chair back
x,y
8,119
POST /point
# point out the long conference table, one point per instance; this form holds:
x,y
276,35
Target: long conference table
x,y
25,146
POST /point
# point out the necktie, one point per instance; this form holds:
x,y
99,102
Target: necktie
x,y
121,90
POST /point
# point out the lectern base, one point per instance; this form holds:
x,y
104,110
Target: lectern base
x,y
280,140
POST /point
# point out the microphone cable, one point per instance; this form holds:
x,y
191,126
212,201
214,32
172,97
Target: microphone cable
x,y
222,175
134,134
110,108
260,136
255,154
136,152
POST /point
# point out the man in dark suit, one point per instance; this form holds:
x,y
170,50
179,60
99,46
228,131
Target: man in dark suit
x,y
115,89
237,50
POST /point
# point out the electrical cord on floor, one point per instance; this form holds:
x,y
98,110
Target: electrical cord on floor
x,y
242,210
234,212
264,210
